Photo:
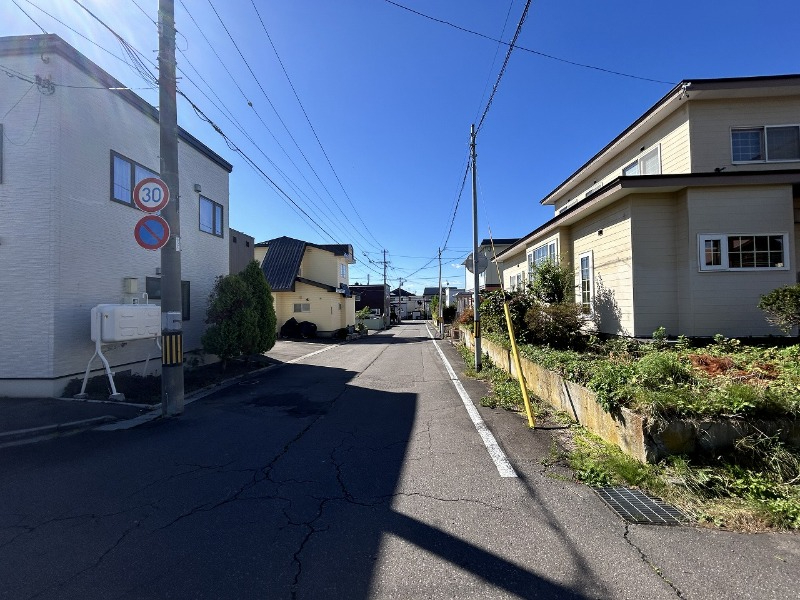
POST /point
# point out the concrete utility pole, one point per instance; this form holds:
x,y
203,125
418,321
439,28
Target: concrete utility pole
x,y
385,295
475,273
171,305
441,300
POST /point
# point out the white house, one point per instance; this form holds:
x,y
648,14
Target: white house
x,y
685,218
74,143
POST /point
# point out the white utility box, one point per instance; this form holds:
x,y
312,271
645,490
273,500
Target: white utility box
x,y
125,322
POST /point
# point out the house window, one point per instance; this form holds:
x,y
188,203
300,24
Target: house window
x,y
647,164
125,174
153,288
210,216
302,307
587,283
765,144
519,281
343,270
743,252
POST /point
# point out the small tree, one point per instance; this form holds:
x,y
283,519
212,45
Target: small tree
x,y
449,313
435,308
553,282
232,319
264,307
782,307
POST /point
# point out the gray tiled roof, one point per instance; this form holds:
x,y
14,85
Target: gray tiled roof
x,y
282,262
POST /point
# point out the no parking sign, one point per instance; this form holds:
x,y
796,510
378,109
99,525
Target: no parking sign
x,y
151,232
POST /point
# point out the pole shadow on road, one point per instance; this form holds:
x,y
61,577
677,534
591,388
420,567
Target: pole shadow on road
x,y
281,488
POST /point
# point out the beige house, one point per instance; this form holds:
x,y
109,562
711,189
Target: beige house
x,y
309,282
686,217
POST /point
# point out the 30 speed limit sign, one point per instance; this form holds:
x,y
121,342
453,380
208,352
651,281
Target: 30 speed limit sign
x,y
151,194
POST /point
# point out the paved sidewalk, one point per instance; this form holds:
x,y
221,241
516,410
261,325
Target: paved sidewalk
x,y
26,420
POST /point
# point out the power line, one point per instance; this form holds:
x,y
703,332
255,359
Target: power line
x,y
308,120
130,49
494,58
30,17
505,64
266,96
323,208
536,52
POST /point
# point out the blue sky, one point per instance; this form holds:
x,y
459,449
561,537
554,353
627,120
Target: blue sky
x,y
391,96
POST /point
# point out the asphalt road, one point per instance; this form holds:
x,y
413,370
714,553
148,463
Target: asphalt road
x,y
355,472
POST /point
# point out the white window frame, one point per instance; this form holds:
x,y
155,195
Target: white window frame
x,y
764,129
640,160
551,252
590,267
302,307
343,270
724,265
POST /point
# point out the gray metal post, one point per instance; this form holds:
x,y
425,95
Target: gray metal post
x,y
172,352
475,273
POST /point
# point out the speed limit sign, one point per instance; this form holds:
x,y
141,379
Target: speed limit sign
x,y
151,194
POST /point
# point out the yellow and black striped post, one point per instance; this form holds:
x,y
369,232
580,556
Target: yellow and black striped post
x,y
171,349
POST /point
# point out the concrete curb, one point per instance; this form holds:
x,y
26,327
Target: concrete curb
x,y
47,431
109,423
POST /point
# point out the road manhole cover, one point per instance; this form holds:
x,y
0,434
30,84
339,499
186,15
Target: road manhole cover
x,y
637,507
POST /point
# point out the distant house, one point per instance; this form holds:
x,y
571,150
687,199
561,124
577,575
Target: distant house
x,y
489,279
72,147
686,217
310,282
373,296
404,303
242,250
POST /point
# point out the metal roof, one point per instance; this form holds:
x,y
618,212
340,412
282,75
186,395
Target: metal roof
x,y
282,262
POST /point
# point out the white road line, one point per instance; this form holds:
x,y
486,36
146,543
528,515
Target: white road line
x,y
497,455
299,358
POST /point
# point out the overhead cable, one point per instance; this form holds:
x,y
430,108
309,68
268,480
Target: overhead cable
x,y
536,52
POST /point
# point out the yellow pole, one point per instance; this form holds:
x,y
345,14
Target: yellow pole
x,y
517,364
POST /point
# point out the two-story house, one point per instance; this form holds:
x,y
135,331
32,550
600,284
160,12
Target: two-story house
x,y
310,282
687,217
74,143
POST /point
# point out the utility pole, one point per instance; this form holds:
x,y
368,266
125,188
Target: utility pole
x,y
171,305
475,273
441,302
385,295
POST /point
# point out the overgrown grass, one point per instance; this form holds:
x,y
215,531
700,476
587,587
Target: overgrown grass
x,y
754,488
724,378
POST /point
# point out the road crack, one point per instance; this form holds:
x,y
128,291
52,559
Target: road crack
x,y
644,558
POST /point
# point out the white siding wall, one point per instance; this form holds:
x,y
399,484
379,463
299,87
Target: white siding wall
x,y
711,129
28,224
655,286
83,245
725,302
612,260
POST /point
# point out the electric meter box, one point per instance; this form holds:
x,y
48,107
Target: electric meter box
x,y
125,322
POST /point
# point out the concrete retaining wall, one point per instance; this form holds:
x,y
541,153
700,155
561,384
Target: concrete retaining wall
x,y
637,435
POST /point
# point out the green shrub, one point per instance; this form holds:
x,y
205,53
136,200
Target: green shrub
x,y
556,325
782,306
611,381
449,313
232,319
264,306
662,369
553,282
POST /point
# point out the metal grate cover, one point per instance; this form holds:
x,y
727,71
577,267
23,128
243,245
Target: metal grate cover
x,y
637,507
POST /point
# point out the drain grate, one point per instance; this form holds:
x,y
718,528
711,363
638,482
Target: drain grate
x,y
637,507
